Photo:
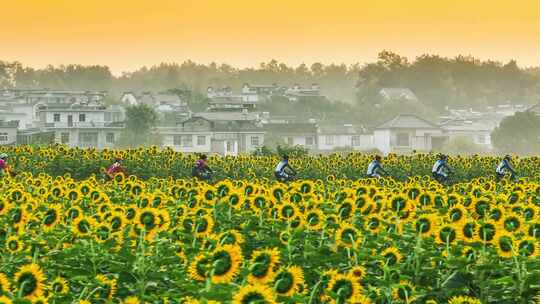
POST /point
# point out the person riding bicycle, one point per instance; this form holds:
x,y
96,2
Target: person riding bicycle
x,y
4,167
201,170
504,167
116,168
281,170
375,168
441,170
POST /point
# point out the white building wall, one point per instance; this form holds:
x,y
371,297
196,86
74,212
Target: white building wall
x,y
168,141
249,146
381,141
90,116
8,136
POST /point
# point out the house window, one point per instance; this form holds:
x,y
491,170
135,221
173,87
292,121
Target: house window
x,y
64,138
290,141
3,137
201,140
309,141
355,141
329,140
183,140
109,138
402,139
82,117
88,138
255,141
56,117
108,116
482,139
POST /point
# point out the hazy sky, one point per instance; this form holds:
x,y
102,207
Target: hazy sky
x,y
127,34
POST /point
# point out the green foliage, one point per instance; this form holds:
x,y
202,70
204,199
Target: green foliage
x,y
462,145
519,133
140,120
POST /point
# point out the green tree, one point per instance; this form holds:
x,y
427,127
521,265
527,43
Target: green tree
x,y
519,133
140,121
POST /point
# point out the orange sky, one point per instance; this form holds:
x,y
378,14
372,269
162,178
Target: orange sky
x,y
126,34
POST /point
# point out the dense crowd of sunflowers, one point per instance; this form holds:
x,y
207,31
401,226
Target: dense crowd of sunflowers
x,y
154,162
331,240
68,236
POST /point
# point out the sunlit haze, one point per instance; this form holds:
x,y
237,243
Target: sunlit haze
x,y
126,34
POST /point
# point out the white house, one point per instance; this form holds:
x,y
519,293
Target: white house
x,y
396,94
406,133
336,136
25,113
54,96
479,132
297,93
83,125
293,134
256,93
8,132
225,133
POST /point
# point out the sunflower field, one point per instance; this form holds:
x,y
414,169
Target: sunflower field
x,y
72,237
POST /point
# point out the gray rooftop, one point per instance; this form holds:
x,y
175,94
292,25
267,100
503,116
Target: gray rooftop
x,y
226,116
407,121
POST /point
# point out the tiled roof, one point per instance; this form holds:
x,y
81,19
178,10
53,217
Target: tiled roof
x,y
407,121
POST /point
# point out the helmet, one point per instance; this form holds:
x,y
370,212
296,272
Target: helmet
x,y
3,155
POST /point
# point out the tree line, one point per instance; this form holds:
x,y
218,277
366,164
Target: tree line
x,y
439,82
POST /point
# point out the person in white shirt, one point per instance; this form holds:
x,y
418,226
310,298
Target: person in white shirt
x,y
284,171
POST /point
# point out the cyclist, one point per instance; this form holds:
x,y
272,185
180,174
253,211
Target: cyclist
x,y
375,168
4,167
201,170
504,167
441,170
281,170
116,168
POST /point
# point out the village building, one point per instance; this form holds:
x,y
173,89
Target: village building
x,y
478,132
331,137
52,96
83,125
293,134
225,133
398,94
257,93
8,132
297,93
406,133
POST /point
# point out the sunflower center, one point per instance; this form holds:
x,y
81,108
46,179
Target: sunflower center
x,y
28,284
261,266
222,263
343,288
253,298
285,282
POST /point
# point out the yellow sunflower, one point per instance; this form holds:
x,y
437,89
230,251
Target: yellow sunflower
x,y
289,281
262,265
29,281
226,263
254,294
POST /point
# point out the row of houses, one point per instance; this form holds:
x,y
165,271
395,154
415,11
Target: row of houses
x,y
228,126
259,93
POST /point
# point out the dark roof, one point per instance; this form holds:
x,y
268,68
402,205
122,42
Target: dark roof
x,y
407,121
